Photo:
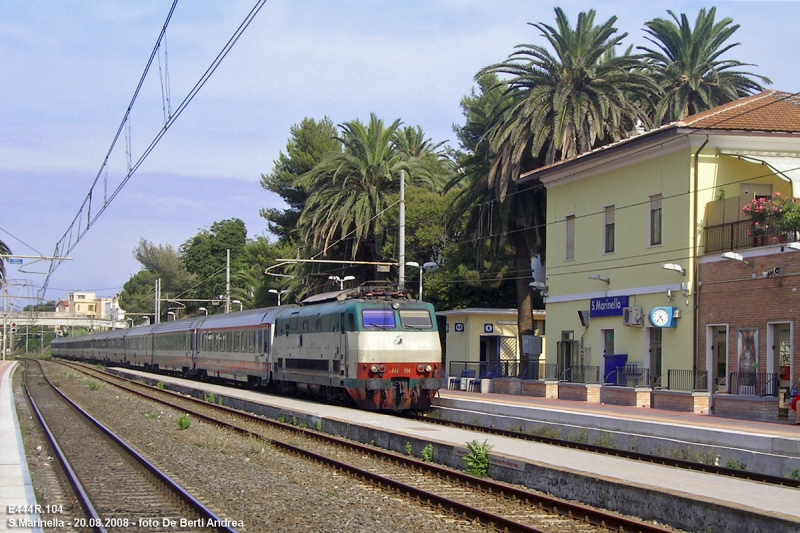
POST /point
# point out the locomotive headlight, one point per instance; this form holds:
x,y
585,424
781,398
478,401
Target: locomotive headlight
x,y
373,368
428,368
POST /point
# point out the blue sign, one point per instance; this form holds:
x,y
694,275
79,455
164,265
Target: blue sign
x,y
14,261
608,306
459,327
488,328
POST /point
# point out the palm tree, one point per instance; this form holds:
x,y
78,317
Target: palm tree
x,y
348,190
687,66
561,104
4,250
516,220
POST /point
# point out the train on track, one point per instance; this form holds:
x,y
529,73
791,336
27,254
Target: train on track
x,y
370,344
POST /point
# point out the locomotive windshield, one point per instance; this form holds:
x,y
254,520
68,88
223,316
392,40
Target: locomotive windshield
x,y
378,318
416,319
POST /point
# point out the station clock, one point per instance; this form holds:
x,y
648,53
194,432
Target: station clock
x,y
663,317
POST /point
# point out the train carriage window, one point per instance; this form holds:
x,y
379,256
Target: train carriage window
x,y
305,325
351,322
318,325
252,341
378,318
293,321
236,339
266,342
416,319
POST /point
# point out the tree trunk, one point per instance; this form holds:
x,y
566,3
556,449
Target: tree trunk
x,y
522,261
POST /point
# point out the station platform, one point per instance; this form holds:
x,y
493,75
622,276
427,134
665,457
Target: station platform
x,y
767,447
689,500
16,488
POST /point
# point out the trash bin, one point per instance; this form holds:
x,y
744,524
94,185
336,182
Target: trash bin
x,y
487,385
613,362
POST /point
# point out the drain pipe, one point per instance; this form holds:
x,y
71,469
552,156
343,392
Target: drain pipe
x,y
695,263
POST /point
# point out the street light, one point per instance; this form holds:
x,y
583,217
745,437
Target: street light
x,y
341,281
430,265
237,302
203,309
171,313
598,277
674,267
278,293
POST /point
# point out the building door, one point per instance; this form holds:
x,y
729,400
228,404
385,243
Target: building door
x,y
567,355
780,361
719,357
489,353
654,338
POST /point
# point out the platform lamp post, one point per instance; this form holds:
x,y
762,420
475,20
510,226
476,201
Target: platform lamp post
x,y
171,313
278,293
203,309
237,302
341,281
430,265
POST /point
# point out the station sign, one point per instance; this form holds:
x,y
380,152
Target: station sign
x,y
15,261
608,306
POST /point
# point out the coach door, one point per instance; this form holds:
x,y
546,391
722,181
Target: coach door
x,y
191,344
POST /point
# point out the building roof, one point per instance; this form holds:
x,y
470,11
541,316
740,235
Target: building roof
x,y
770,111
484,311
767,112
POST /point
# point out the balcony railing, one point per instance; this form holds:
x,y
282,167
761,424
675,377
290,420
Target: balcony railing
x,y
756,383
687,380
737,235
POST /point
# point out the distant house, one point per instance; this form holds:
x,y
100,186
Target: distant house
x,y
636,230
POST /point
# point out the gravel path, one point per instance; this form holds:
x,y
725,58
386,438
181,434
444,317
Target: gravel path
x,y
245,479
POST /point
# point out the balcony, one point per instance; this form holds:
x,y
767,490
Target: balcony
x,y
728,227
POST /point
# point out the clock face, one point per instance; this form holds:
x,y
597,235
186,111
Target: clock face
x,y
660,317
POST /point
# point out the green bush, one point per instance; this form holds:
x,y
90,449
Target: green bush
x,y
409,449
477,460
160,385
93,385
184,422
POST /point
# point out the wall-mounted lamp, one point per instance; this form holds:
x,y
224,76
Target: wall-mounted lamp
x,y
674,267
733,256
539,286
598,277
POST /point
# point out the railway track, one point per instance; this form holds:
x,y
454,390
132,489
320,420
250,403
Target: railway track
x,y
625,454
502,506
119,490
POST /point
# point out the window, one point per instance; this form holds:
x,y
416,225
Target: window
x,y
378,318
655,220
416,319
570,240
608,235
608,341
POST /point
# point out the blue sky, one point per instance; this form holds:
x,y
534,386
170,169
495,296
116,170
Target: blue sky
x,y
70,68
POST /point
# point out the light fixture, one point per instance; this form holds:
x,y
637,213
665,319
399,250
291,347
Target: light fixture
x,y
203,309
341,281
278,293
674,267
793,246
538,285
237,302
733,256
598,277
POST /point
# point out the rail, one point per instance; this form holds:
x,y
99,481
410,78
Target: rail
x,y
572,510
687,380
533,369
184,496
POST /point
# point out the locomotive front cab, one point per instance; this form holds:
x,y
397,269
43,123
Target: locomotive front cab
x,y
398,355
